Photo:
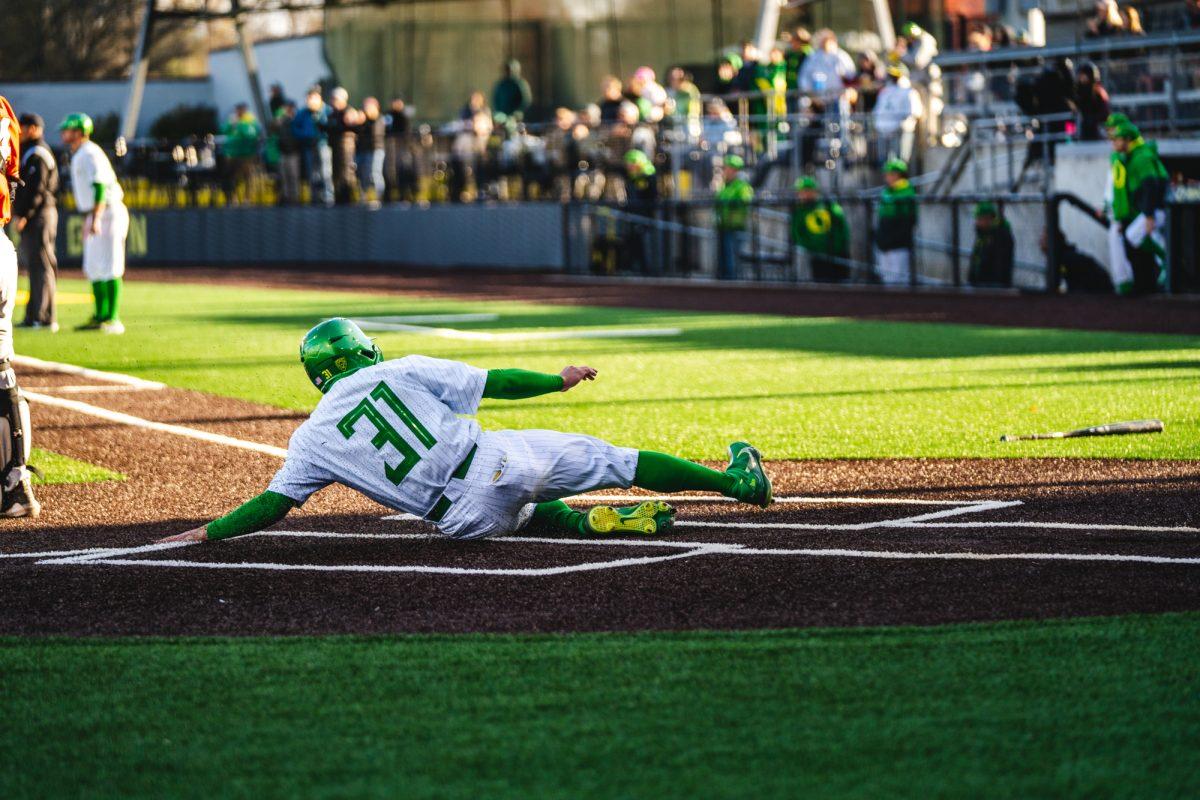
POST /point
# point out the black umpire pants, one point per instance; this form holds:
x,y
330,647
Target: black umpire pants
x,y
36,254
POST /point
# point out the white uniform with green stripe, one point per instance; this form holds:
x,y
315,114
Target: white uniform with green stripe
x,y
392,431
104,252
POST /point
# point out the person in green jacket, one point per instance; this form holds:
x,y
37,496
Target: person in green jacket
x,y
895,224
819,227
1137,196
733,213
992,255
242,136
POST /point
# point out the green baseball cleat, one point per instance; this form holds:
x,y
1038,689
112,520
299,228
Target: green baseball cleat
x,y
752,486
648,518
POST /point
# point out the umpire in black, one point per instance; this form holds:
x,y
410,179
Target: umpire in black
x,y
35,215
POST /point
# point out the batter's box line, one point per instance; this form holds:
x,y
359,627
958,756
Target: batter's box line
x,y
690,550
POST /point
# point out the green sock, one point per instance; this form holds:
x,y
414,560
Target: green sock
x,y
99,295
659,472
560,515
114,298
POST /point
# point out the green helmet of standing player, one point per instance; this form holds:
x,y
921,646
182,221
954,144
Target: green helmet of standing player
x,y
77,122
334,349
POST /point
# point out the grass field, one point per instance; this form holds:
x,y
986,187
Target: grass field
x,y
1086,708
58,468
797,387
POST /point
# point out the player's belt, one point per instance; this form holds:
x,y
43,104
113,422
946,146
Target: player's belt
x,y
443,504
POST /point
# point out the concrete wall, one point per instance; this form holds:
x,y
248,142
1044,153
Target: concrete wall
x,y
54,100
295,63
510,236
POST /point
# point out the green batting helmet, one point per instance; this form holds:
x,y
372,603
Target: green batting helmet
x,y
334,349
896,165
78,122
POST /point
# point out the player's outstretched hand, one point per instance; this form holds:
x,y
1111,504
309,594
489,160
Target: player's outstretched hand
x,y
194,535
573,375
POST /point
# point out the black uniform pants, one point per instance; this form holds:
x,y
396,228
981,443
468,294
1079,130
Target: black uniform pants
x,y
36,254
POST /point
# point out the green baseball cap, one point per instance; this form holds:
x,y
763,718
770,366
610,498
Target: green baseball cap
x,y
910,29
896,165
734,161
986,208
1120,126
637,157
77,122
807,183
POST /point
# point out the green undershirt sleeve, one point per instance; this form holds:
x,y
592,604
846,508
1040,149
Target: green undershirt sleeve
x,y
98,190
253,515
519,384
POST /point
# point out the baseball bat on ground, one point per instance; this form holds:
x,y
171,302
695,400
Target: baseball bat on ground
x,y
1113,429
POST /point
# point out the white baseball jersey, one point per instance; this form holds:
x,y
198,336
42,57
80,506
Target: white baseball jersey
x,y
90,166
390,431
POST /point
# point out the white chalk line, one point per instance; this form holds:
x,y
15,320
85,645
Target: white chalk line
x,y
421,319
85,372
80,389
117,557
162,427
375,324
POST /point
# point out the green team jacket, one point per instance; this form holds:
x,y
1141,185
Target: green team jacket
x,y
733,204
241,137
821,228
897,217
1139,181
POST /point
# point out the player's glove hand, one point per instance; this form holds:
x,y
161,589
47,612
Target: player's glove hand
x,y
194,535
573,375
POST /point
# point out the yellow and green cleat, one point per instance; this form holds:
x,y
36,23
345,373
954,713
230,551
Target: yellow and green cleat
x,y
648,518
752,484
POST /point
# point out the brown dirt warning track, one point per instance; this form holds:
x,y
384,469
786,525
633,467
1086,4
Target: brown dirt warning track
x,y
851,543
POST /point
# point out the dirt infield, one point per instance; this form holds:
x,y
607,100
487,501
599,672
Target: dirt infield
x,y
1084,312
851,543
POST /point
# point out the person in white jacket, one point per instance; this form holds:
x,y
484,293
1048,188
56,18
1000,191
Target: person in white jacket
x,y
898,109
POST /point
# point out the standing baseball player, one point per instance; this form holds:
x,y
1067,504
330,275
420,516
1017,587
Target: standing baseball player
x,y
106,222
35,215
18,491
392,431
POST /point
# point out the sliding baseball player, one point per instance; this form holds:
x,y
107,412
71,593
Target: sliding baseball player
x,y
392,430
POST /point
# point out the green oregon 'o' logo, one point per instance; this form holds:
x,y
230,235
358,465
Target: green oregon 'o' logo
x,y
819,222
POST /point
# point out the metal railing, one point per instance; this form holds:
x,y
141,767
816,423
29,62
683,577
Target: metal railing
x,y
680,239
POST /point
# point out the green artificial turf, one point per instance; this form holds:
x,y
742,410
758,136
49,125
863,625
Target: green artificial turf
x,y
1083,708
797,387
61,469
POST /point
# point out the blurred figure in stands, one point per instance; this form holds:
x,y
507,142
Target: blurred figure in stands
x,y
992,254
827,71
312,139
684,105
1107,20
370,149
289,153
732,216
511,97
819,227
1190,19
869,81
342,126
897,113
895,225
611,97
399,173
1092,100
242,134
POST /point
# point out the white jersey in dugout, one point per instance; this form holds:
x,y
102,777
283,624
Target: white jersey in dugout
x,y
390,431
